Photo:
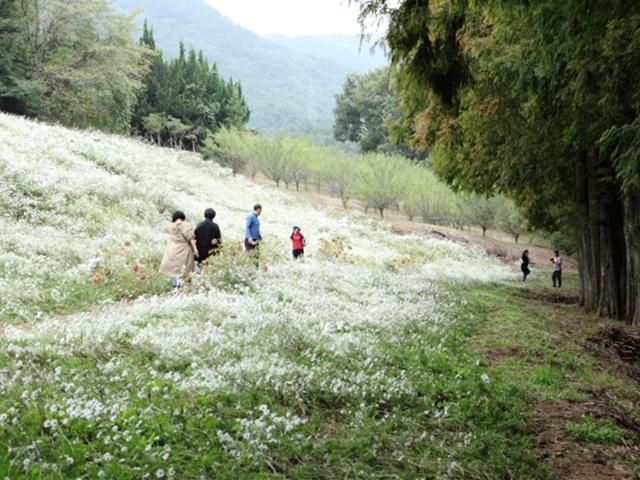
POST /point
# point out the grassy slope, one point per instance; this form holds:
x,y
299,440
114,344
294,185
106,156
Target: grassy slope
x,y
582,401
370,360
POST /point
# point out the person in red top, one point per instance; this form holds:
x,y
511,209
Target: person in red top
x,y
298,243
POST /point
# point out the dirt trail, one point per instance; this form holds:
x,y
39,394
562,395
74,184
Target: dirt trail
x,y
616,401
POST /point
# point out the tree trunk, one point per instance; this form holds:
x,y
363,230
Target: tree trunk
x,y
484,231
604,240
516,237
613,255
588,241
381,210
631,205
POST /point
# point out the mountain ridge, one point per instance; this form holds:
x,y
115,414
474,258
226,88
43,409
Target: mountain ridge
x,y
286,89
348,50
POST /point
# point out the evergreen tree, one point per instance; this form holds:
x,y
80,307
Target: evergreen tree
x,y
539,101
185,99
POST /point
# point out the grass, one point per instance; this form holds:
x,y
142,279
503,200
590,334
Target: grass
x,y
536,341
589,429
458,422
129,279
469,415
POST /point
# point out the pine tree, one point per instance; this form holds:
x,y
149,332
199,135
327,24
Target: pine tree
x,y
185,99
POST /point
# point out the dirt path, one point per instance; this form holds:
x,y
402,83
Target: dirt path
x,y
564,357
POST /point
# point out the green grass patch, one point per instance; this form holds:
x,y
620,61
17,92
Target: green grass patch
x,y
589,429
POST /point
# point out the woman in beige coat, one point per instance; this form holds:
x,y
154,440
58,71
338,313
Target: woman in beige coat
x,y
178,261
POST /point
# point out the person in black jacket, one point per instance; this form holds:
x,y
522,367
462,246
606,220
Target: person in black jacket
x,y
208,236
525,265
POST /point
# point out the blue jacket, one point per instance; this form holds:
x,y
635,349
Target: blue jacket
x,y
252,228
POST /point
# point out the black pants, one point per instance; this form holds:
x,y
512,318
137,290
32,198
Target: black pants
x,y
557,276
525,273
254,251
298,253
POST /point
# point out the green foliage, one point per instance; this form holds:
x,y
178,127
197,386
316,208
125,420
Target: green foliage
x,y
480,210
274,155
362,109
184,99
588,429
230,147
72,62
378,181
366,113
18,93
381,181
510,219
427,197
340,172
537,101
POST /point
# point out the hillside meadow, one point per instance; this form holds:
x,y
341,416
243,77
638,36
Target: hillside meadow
x,y
366,360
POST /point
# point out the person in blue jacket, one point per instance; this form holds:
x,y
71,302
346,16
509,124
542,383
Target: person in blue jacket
x,y
252,236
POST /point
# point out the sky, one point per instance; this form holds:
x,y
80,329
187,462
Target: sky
x,y
292,17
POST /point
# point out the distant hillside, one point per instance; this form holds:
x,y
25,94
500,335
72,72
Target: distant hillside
x,y
346,50
286,90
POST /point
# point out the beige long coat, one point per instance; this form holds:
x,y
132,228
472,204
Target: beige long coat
x,y
178,257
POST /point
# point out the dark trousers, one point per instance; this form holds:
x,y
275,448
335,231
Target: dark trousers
x,y
557,276
525,273
298,253
254,251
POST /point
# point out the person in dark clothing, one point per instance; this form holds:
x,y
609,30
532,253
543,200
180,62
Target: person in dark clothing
x,y
208,236
525,265
298,243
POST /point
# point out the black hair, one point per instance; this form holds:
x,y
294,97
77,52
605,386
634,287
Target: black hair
x,y
526,251
557,252
257,206
210,213
178,215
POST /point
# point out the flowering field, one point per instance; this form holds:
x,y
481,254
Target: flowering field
x,y
349,364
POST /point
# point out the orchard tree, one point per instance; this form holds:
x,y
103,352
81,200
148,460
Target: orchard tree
x,y
425,196
510,219
341,174
480,210
381,181
230,147
272,156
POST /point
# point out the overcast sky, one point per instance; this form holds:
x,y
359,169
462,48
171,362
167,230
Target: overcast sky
x,y
292,17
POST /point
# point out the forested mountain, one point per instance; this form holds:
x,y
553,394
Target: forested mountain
x,y
343,49
285,89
